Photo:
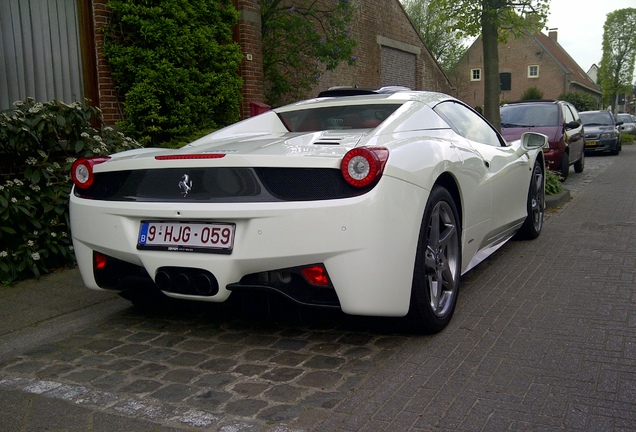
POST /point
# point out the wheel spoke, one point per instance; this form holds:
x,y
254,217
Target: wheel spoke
x,y
537,198
441,258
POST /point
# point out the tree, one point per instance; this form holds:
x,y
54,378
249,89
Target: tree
x,y
532,93
619,54
300,39
495,21
444,43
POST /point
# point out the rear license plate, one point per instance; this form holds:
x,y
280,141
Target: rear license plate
x,y
591,143
208,237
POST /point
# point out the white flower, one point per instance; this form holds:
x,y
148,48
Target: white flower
x,y
64,234
41,153
53,235
35,187
85,135
35,256
18,182
4,254
1,187
56,165
70,159
30,243
31,161
70,248
14,200
9,183
27,198
35,232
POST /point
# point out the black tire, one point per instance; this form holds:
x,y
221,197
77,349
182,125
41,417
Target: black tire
x,y
564,169
533,224
437,265
614,151
579,165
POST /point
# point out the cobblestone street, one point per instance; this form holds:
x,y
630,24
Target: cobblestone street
x,y
542,339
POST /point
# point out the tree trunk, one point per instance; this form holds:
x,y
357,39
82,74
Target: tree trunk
x,y
490,45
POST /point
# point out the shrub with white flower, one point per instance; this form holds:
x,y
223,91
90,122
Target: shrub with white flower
x,y
44,138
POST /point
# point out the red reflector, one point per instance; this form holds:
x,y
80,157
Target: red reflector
x,y
100,261
316,275
192,156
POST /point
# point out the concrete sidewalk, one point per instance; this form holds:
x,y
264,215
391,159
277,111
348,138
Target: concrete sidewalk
x,y
29,307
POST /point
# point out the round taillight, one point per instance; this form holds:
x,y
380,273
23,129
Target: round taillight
x,y
82,171
363,166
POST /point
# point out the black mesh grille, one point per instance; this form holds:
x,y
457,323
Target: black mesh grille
x,y
220,185
306,184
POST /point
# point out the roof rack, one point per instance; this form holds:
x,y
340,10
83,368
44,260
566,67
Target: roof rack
x,y
356,91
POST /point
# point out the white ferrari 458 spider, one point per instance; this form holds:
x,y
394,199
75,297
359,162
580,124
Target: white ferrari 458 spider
x,y
374,203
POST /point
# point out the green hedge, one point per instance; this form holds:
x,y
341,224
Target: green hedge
x,y
174,65
38,144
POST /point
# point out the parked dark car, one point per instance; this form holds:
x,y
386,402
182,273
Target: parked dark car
x,y
601,132
559,120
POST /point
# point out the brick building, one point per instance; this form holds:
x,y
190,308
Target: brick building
x,y
389,52
53,50
534,60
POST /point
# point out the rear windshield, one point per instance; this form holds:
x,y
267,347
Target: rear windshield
x,y
596,118
626,118
337,117
540,115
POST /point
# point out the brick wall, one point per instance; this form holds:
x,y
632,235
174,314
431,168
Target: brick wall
x,y
108,102
377,24
247,33
384,23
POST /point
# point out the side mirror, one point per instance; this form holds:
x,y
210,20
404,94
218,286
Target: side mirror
x,y
533,140
572,125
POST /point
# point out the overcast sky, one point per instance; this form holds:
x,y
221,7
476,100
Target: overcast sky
x,y
580,26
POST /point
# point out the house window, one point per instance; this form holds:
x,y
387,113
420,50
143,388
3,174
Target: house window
x,y
505,81
533,71
475,74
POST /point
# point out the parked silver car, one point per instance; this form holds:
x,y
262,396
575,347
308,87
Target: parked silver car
x,y
628,125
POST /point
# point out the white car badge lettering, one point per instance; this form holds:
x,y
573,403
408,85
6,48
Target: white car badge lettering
x,y
185,185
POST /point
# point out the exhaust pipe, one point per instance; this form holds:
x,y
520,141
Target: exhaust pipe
x,y
187,281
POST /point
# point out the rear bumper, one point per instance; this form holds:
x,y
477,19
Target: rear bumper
x,y
367,244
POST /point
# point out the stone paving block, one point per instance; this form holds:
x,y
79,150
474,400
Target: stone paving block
x,y
142,386
175,392
531,347
218,365
284,393
282,374
245,407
